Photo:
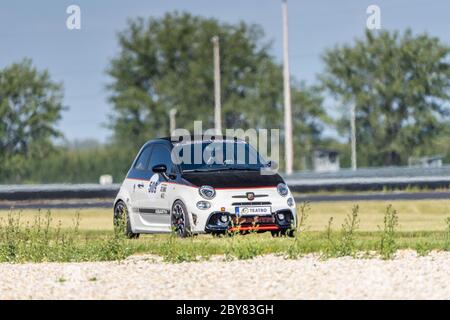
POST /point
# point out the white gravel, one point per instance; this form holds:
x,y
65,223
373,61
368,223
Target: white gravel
x,y
270,277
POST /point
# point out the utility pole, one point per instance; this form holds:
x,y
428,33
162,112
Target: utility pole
x,y
172,114
353,134
288,146
217,103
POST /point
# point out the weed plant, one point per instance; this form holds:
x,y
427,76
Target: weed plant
x,y
388,245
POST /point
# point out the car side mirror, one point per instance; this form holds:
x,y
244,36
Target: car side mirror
x,y
160,168
273,165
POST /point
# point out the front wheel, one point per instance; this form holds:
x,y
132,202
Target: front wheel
x,y
122,220
290,233
180,220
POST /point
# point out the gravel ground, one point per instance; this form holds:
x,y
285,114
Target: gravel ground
x,y
270,277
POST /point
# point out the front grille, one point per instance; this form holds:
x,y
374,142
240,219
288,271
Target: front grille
x,y
253,203
246,223
244,196
253,220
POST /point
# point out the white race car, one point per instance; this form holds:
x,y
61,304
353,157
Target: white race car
x,y
217,193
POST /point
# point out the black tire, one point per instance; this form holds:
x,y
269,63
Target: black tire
x,y
180,220
217,234
121,212
275,234
282,233
290,233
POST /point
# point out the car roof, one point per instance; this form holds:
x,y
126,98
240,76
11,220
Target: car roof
x,y
172,140
168,140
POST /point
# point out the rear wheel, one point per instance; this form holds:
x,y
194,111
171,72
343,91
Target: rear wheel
x,y
180,221
122,220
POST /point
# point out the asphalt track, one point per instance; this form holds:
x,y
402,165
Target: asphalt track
x,y
107,203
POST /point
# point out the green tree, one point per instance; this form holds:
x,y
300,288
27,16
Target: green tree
x,y
68,163
309,120
168,63
30,106
400,87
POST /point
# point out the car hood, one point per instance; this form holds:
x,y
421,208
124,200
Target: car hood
x,y
232,179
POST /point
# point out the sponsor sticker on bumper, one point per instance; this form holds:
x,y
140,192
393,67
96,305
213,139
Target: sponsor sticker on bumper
x,y
263,210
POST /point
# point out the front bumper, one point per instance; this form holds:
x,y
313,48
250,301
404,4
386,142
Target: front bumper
x,y
255,223
230,201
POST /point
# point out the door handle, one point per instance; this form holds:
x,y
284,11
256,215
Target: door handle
x,y
140,185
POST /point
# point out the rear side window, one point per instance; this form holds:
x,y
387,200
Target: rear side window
x,y
161,155
142,161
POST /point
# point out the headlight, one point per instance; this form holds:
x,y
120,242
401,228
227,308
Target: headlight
x,y
207,192
203,205
282,189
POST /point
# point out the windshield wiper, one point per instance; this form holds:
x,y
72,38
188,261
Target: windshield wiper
x,y
221,169
196,170
205,170
242,168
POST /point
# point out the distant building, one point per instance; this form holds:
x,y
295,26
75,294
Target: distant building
x,y
105,179
426,162
325,160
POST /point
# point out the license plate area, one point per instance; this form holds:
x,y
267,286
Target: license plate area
x,y
252,210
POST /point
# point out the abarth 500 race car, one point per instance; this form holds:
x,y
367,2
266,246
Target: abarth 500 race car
x,y
203,186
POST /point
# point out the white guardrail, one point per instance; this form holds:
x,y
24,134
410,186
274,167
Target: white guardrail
x,y
358,180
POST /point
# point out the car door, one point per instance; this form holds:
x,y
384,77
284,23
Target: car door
x,y
155,207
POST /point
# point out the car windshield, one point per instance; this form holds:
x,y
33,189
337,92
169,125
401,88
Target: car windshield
x,y
217,156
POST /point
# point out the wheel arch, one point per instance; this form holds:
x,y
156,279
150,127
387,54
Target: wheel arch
x,y
116,201
189,213
123,196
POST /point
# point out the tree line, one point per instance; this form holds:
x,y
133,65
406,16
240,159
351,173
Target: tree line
x,y
398,82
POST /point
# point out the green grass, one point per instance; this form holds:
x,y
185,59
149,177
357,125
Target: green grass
x,y
42,240
88,235
422,215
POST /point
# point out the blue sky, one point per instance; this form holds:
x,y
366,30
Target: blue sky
x,y
78,58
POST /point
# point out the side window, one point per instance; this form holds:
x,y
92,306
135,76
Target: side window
x,y
161,155
142,161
